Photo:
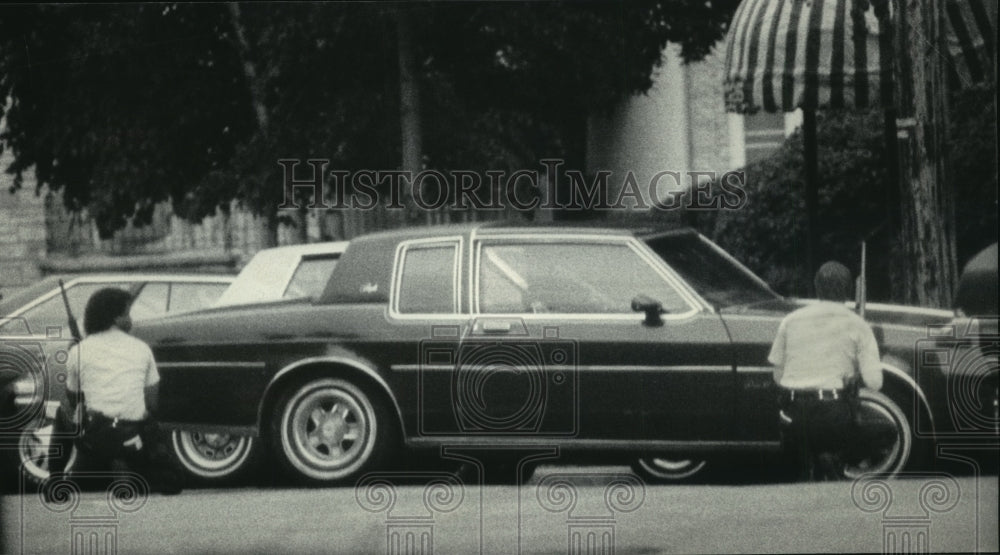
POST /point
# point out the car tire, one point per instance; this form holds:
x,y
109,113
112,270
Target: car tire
x,y
890,451
669,469
32,448
213,458
329,430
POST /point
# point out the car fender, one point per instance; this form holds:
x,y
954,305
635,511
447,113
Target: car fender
x,y
340,360
895,368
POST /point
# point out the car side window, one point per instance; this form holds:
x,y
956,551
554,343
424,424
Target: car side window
x,y
150,302
427,282
52,313
568,278
185,297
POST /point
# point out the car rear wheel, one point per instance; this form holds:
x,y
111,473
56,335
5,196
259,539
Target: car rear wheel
x,y
669,469
328,430
212,457
884,439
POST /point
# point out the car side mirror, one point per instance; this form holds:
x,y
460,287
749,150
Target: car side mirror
x,y
652,308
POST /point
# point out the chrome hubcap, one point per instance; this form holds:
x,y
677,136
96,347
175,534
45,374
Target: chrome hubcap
x,y
214,446
211,454
329,429
332,429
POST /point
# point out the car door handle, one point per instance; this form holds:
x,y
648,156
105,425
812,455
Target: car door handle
x,y
496,327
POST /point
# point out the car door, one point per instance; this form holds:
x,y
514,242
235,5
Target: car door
x,y
566,355
426,323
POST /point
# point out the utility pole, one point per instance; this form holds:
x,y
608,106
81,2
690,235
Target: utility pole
x,y
409,100
926,253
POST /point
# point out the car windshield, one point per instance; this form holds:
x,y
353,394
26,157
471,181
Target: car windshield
x,y
715,275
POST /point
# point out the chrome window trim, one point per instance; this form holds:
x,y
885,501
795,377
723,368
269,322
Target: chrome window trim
x,y
456,242
629,242
729,258
672,276
213,364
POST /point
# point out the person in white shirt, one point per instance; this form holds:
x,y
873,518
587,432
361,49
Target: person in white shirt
x,y
819,352
116,379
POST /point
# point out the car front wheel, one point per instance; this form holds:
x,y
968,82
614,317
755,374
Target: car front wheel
x,y
668,469
327,430
884,438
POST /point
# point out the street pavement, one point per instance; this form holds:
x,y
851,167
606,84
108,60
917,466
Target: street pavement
x,y
559,510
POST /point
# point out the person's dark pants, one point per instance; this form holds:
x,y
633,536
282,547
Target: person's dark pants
x,y
817,436
106,443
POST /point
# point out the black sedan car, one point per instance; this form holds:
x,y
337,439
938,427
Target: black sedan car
x,y
648,346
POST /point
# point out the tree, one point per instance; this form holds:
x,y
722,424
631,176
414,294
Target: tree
x,y
927,238
556,62
768,233
122,106
81,81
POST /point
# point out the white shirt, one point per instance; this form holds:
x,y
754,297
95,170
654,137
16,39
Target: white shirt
x,y
114,371
820,345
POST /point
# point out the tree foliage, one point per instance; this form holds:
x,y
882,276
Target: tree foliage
x,y
769,234
123,106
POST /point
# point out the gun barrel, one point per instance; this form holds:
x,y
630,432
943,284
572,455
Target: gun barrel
x,y
74,328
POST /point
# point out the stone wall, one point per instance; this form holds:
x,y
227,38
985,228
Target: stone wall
x,y
22,231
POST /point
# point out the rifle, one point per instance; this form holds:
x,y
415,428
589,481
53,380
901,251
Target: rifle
x,y
76,400
861,287
74,329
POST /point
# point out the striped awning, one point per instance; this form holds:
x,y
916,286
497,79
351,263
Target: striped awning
x,y
781,55
971,36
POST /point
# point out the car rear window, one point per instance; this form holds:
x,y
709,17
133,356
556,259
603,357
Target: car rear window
x,y
310,277
427,284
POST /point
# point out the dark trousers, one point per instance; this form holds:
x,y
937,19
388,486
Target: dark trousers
x,y
106,441
817,436
106,445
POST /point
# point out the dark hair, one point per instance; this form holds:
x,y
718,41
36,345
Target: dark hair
x,y
833,282
104,307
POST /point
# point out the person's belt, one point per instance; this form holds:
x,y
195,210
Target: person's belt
x,y
814,394
94,416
